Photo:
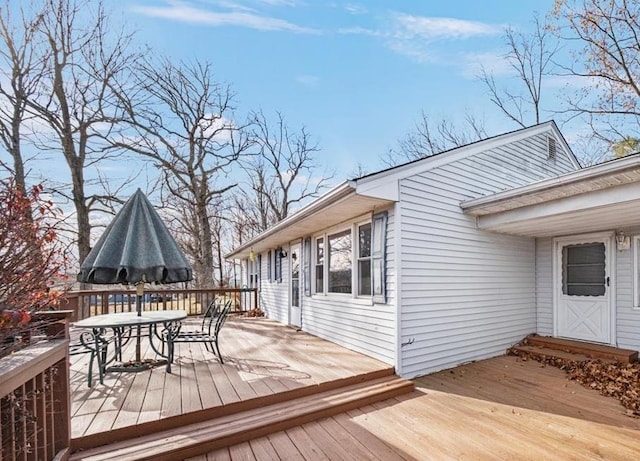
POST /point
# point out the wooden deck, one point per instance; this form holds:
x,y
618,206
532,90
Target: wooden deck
x,y
262,358
502,408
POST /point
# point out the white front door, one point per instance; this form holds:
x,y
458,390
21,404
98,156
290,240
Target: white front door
x,y
295,311
583,288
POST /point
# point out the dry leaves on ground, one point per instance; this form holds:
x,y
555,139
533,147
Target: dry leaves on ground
x,y
613,379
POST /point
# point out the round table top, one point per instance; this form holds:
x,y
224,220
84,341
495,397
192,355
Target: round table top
x,y
125,319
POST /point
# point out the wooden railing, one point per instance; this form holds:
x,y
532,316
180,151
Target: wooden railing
x,y
34,392
88,303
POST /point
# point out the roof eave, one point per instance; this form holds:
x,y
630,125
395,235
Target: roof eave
x,y
339,192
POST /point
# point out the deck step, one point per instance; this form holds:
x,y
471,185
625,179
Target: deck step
x,y
172,422
592,351
546,352
199,438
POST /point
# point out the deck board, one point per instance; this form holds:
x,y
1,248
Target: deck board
x,y
502,408
262,357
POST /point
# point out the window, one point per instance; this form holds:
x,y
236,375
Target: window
x,y
269,266
583,269
353,256
339,262
364,260
319,265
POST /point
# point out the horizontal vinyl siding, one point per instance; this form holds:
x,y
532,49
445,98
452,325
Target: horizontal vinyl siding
x,y
627,318
356,323
274,296
544,285
466,294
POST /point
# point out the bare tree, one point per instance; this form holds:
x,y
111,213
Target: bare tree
x,y
607,33
427,139
181,122
282,174
76,99
21,68
530,56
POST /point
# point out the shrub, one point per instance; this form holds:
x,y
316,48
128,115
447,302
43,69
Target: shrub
x,y
31,257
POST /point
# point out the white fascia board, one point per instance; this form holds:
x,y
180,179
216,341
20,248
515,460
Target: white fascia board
x,y
596,199
392,175
337,193
592,172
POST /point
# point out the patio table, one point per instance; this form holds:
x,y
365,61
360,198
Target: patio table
x,y
122,325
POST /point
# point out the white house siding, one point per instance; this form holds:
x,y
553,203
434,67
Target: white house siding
x,y
273,296
627,318
357,324
544,285
466,294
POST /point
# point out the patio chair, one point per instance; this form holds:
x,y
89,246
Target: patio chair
x,y
208,334
97,345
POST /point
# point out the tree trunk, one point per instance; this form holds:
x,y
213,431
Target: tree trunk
x,y
220,261
18,162
206,247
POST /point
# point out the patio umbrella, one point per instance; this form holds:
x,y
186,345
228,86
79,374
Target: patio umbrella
x,y
136,248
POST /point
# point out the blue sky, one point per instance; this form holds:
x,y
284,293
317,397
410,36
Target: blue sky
x,y
356,74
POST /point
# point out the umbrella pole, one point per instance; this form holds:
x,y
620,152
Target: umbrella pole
x,y
139,294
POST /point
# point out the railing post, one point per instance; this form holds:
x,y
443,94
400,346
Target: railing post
x,y
73,305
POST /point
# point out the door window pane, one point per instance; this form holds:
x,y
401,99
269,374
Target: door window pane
x,y
583,270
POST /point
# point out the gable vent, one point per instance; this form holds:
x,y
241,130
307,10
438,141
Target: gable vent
x,y
551,148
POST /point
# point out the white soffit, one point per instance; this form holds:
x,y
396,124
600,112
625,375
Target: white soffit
x,y
616,207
